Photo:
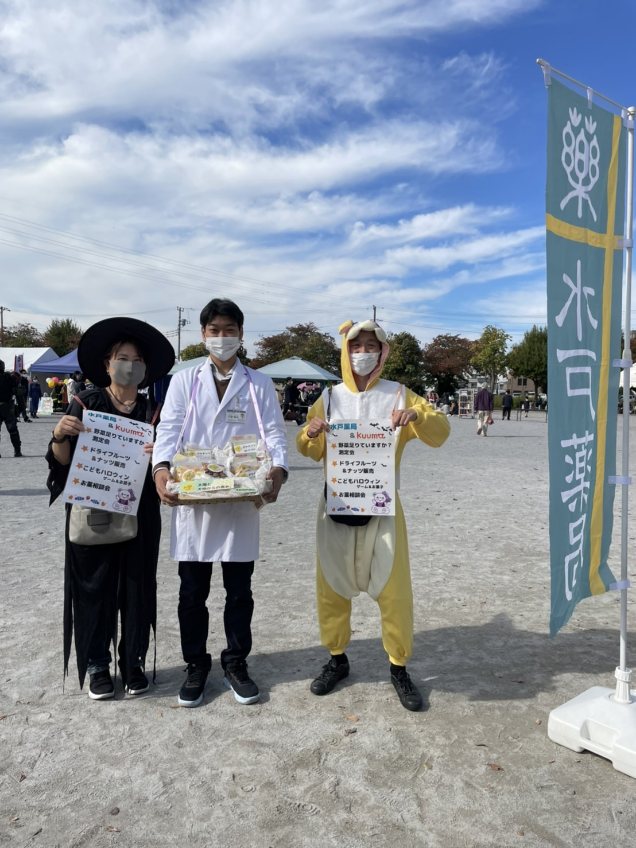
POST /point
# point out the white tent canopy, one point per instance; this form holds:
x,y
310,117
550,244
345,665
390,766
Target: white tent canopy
x,y
187,363
297,369
294,367
30,356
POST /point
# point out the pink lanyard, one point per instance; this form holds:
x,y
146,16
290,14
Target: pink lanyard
x,y
195,388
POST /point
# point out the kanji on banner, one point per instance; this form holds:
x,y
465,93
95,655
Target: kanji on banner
x,y
360,469
109,464
584,221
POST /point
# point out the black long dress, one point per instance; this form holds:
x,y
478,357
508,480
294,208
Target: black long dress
x,y
102,580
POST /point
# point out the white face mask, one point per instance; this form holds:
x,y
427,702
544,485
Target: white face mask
x,y
364,363
223,347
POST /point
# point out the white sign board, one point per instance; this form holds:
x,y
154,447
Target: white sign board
x,y
109,464
360,468
45,407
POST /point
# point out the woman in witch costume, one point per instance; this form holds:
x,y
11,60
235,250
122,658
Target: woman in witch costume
x,y
118,355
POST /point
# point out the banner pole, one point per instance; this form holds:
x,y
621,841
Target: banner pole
x,y
623,674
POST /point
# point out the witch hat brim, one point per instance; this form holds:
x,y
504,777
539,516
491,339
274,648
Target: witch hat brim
x,y
98,340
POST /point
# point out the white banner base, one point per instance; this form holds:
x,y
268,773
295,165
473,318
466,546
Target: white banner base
x,y
595,721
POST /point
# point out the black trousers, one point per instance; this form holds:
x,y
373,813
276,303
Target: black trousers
x,y
194,617
7,416
506,413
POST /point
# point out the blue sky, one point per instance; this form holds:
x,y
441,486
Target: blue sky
x,y
309,160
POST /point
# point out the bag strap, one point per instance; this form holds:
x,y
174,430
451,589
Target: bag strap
x,y
257,410
194,389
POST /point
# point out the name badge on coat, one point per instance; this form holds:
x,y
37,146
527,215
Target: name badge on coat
x,y
235,416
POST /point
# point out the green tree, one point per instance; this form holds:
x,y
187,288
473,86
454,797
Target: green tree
x,y
303,340
490,357
62,335
23,335
446,359
404,363
193,351
529,358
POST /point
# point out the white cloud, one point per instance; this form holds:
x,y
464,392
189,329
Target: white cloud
x,y
476,250
298,161
442,223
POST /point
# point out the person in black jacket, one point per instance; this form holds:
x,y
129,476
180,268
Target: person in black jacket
x,y
291,396
506,405
8,390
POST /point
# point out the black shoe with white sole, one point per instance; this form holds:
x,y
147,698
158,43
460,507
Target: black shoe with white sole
x,y
101,686
191,693
137,682
238,680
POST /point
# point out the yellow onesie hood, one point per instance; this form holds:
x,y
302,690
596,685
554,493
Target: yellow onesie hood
x,y
349,331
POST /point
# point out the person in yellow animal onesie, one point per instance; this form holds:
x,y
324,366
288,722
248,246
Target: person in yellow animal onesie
x,y
370,557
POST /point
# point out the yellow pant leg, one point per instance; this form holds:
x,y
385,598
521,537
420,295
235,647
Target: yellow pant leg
x,y
396,599
334,616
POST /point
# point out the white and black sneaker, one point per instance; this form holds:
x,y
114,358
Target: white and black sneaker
x,y
191,693
101,686
137,682
238,680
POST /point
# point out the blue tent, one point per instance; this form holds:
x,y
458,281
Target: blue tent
x,y
54,367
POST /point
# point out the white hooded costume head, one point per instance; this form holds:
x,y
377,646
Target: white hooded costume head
x,y
350,331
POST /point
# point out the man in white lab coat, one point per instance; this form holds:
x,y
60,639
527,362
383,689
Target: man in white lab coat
x,y
207,405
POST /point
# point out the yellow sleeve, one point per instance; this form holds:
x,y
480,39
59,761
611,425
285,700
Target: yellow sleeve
x,y
431,425
313,448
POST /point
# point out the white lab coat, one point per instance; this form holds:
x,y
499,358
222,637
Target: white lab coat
x,y
217,532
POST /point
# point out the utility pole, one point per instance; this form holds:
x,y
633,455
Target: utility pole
x,y
374,313
181,322
3,309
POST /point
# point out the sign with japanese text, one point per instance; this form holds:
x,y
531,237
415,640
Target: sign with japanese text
x,y
360,468
584,221
109,464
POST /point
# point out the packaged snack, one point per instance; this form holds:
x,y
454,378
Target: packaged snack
x,y
237,471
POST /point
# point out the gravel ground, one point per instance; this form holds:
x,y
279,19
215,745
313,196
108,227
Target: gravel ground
x,y
353,769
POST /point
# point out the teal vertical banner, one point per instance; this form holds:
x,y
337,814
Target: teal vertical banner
x,y
585,210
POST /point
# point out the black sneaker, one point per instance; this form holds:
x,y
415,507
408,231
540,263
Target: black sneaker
x,y
332,673
191,693
137,682
238,680
18,453
408,693
101,686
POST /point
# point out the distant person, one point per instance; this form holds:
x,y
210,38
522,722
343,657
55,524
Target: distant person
x,y
74,385
291,396
506,405
526,405
21,394
35,395
483,408
7,409
57,397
